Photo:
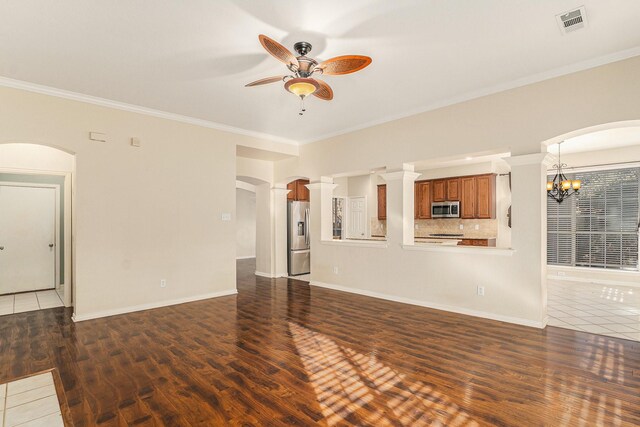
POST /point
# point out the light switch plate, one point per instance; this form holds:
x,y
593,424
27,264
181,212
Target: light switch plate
x,y
97,136
226,216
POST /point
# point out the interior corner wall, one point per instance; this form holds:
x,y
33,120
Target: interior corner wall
x,y
141,214
245,224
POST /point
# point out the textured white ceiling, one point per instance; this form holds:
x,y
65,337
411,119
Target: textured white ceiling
x,y
193,58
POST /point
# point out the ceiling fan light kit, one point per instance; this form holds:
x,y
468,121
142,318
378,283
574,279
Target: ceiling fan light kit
x,y
301,83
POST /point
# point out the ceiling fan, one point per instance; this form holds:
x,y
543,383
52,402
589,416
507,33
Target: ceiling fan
x,y
301,82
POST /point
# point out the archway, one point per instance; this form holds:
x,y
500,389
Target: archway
x,y
592,235
28,168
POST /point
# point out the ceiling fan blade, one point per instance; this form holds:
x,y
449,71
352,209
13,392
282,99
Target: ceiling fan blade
x,y
343,64
324,92
265,81
278,51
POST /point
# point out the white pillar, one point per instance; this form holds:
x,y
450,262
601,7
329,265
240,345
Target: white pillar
x,y
321,222
400,205
320,196
264,231
529,229
279,259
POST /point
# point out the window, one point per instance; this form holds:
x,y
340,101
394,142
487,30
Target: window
x,y
599,227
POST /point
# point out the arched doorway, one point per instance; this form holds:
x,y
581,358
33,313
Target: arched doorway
x,y
592,234
36,184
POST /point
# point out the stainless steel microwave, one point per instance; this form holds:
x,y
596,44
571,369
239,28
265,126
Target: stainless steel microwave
x,y
445,210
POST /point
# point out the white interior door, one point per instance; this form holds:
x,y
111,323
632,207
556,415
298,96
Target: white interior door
x,y
27,238
357,218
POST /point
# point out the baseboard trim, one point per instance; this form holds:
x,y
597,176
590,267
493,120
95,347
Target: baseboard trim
x,y
593,281
245,257
436,306
267,275
149,306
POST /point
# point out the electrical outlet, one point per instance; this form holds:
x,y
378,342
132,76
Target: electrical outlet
x,y
477,226
481,291
163,283
461,226
561,273
335,270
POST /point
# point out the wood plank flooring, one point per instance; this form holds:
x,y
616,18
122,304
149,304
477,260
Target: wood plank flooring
x,y
284,353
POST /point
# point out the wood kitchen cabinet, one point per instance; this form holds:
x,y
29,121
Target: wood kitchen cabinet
x,y
468,197
478,242
298,191
486,196
422,199
439,190
382,201
453,190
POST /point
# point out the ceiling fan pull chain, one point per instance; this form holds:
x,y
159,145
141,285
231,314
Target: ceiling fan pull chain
x,y
302,109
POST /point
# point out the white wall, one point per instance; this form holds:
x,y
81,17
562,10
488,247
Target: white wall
x,y
245,223
141,214
515,121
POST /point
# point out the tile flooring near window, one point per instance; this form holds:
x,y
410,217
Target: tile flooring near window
x,y
599,309
30,402
18,303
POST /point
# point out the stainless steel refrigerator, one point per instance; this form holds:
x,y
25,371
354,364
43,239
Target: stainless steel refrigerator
x,y
298,238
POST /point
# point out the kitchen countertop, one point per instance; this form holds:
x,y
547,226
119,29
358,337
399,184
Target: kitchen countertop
x,y
374,238
463,237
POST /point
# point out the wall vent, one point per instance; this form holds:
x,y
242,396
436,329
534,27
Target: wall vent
x,y
572,20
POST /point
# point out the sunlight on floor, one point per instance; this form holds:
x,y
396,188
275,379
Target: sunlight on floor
x,y
346,382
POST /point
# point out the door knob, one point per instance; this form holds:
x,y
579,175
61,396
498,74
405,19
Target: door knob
x,y
50,245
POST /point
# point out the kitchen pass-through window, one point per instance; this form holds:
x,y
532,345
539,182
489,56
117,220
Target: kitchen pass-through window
x,y
597,228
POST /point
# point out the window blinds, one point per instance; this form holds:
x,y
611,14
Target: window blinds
x,y
599,227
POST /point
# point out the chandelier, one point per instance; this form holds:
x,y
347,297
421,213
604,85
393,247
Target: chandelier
x,y
560,187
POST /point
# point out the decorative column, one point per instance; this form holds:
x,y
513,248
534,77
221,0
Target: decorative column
x,y
279,201
400,205
320,196
264,231
529,229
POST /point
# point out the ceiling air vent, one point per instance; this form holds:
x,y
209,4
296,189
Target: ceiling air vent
x,y
572,20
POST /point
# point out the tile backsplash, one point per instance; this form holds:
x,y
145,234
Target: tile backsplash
x,y
487,228
378,227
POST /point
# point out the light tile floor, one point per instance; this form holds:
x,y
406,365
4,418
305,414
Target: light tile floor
x,y
30,402
18,303
599,309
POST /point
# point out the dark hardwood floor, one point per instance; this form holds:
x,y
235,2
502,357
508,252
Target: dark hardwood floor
x,y
284,353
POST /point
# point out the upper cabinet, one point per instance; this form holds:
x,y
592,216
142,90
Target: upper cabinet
x,y
382,201
468,197
486,196
446,190
453,189
439,190
476,194
423,199
298,191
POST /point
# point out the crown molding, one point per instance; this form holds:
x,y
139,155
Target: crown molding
x,y
524,81
103,102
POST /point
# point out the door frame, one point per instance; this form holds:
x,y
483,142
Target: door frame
x,y
367,231
56,223
69,288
